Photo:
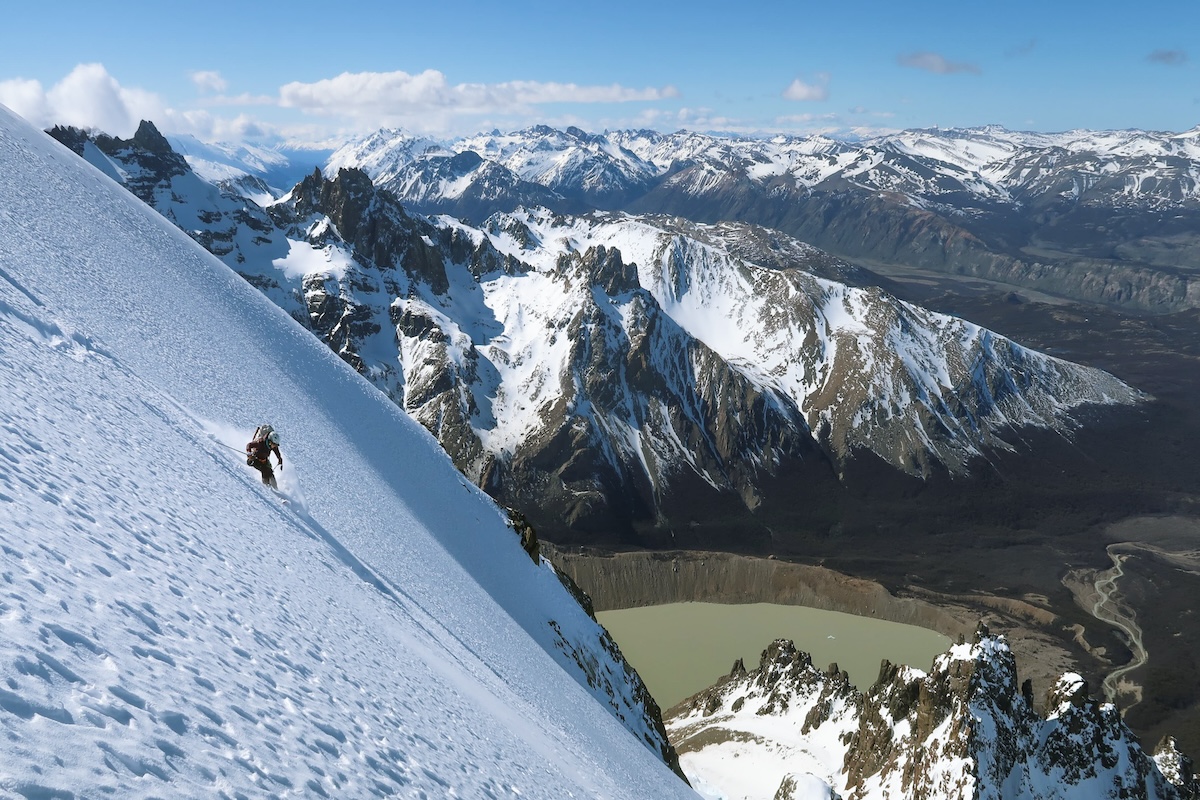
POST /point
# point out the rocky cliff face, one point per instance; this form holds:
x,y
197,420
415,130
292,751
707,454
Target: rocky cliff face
x,y
964,729
221,217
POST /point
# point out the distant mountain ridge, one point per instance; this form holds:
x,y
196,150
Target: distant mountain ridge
x,y
1098,216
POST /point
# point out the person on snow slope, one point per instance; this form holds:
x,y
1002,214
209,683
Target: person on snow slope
x,y
259,450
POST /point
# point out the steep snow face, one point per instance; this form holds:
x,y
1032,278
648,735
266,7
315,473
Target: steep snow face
x,y
962,730
170,627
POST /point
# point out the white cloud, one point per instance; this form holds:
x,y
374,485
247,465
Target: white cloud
x,y
795,119
88,97
26,97
398,97
91,98
799,90
933,62
209,81
863,110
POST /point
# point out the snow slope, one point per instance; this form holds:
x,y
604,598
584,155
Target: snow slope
x,y
169,627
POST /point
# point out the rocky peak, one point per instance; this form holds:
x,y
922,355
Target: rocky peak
x,y
1177,768
149,139
305,198
70,136
371,222
968,710
464,162
1070,691
147,149
606,269
147,160
964,729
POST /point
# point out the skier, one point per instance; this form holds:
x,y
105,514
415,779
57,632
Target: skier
x,y
258,453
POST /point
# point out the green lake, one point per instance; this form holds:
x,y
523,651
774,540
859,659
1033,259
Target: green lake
x,y
681,648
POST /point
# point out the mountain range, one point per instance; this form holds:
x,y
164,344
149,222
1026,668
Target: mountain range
x,y
604,372
1096,216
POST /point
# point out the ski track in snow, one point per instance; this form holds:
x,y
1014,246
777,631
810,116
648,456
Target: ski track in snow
x,y
168,625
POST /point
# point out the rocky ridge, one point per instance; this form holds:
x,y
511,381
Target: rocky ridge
x,y
963,729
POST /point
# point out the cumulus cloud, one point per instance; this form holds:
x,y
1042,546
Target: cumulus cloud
x,y
799,90
243,99
933,62
27,98
1171,58
89,97
386,97
864,111
208,81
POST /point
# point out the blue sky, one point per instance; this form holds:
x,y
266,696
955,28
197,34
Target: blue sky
x,y
306,70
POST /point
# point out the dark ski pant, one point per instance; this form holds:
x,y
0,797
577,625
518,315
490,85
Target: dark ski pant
x,y
268,474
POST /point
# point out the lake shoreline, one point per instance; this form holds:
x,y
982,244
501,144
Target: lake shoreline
x,y
631,579
681,649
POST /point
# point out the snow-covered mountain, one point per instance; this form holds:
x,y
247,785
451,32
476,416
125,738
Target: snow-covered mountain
x,y
1099,216
963,729
960,168
171,627
600,370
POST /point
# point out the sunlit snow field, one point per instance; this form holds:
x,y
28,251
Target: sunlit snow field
x,y
169,627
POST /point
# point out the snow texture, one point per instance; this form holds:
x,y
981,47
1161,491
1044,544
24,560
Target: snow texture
x,y
169,627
